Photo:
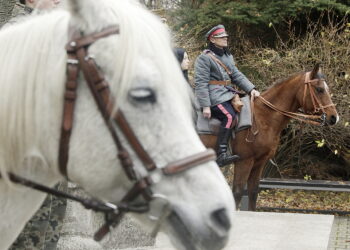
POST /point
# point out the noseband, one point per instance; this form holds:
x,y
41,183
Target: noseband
x,y
79,59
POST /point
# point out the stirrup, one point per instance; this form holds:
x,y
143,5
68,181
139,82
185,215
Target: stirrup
x,y
224,159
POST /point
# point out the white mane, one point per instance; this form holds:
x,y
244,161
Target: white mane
x,y
35,49
36,46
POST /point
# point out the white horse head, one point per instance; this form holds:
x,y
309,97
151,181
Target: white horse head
x,y
145,78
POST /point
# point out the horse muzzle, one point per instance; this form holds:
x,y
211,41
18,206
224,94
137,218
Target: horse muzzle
x,y
333,120
329,120
201,237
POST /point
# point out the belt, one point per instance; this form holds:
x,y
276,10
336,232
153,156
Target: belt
x,y
226,82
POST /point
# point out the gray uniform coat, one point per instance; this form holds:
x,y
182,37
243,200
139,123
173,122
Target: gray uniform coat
x,y
206,69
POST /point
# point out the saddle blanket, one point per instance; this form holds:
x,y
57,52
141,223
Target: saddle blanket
x,y
211,126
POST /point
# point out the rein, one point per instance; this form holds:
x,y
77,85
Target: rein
x,y
79,60
313,119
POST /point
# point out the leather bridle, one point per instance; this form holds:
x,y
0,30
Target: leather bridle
x,y
79,60
317,106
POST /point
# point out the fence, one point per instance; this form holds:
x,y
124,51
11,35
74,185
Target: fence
x,y
314,185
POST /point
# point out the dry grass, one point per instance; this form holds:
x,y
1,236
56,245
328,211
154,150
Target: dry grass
x,y
298,199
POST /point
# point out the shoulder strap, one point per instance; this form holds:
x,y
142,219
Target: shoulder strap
x,y
209,53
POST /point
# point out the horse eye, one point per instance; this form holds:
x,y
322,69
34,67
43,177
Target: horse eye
x,y
319,90
143,95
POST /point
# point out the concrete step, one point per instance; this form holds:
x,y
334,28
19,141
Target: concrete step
x,y
280,231
271,231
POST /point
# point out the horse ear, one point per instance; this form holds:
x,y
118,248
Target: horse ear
x,y
317,69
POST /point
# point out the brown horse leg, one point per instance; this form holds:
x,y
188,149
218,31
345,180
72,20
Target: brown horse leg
x,y
241,174
253,182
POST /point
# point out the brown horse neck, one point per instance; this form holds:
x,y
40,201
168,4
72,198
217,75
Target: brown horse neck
x,y
283,96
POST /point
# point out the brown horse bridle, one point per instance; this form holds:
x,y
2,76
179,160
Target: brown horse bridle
x,y
317,106
79,59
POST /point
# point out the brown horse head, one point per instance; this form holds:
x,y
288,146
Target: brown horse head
x,y
315,97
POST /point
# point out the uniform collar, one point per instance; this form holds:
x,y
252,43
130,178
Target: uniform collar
x,y
218,51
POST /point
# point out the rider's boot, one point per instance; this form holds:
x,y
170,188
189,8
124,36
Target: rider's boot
x,y
224,158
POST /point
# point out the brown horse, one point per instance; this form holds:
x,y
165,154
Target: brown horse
x,y
272,111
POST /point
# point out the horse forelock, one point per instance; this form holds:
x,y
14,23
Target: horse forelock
x,y
320,75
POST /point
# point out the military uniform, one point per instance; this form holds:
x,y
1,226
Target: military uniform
x,y
207,69
43,230
215,70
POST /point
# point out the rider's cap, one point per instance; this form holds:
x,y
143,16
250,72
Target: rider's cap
x,y
217,31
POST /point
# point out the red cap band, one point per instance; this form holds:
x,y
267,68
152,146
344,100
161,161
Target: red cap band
x,y
217,32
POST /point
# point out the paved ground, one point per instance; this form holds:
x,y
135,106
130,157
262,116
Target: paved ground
x,y
281,231
340,235
339,238
273,231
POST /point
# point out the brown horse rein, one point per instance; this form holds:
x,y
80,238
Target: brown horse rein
x,y
79,59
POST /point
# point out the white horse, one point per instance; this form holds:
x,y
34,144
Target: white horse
x,y
32,73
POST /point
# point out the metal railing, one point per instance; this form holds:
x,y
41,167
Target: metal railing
x,y
296,184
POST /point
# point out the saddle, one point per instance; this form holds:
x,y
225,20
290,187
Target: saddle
x,y
211,126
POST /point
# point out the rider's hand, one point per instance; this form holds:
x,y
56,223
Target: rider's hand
x,y
206,112
254,93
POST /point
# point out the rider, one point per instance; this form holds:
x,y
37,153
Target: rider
x,y
215,69
184,61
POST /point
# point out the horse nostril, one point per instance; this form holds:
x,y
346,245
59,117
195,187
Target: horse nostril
x,y
221,218
333,120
